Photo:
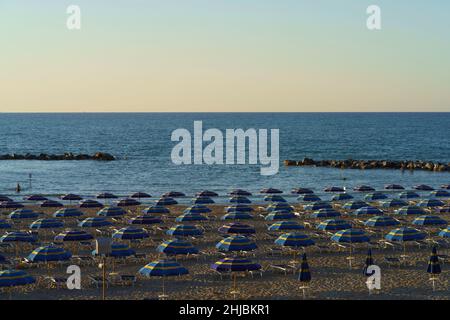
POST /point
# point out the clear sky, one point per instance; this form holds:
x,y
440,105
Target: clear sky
x,y
224,55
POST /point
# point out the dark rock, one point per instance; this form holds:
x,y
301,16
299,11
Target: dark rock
x,y
101,156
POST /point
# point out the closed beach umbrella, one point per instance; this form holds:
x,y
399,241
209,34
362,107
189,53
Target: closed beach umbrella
x,y
333,225
240,192
129,202
367,211
163,268
407,210
381,221
317,206
342,197
35,197
434,268
393,187
429,221
409,195
184,230
237,228
309,197
305,275
176,246
236,243
334,189
423,187
393,203
106,195
166,201
144,220
285,225
198,208
174,194
47,223
130,233
48,254
71,197
301,191
363,188
90,204
13,278
353,205
325,213
186,217
350,236
237,216
156,209
140,195
369,262
240,199
73,236
23,214
375,196
440,194
111,212
10,205
206,193
445,233
294,239
274,198
405,234
67,213
271,191
239,208
94,222
430,203
4,224
51,204
276,206
202,200
279,215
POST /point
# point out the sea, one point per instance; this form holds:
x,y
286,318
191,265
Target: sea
x,y
142,144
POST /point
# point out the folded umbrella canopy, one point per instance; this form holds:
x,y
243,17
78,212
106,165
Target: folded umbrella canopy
x,y
305,275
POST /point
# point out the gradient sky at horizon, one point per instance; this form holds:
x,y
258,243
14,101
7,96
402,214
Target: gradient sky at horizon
x,y
224,55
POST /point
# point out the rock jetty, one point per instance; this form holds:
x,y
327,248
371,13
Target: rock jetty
x,y
371,164
98,156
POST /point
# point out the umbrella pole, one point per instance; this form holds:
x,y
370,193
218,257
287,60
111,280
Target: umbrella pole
x,y
104,278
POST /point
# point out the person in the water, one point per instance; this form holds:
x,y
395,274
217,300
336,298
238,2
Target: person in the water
x,y
18,188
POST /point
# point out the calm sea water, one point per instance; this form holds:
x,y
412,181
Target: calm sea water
x,y
142,144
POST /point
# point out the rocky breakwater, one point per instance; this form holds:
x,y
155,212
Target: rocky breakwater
x,y
98,156
372,164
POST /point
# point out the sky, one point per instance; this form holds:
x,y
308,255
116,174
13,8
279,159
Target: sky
x,y
224,55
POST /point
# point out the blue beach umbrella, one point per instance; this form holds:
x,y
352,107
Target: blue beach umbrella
x,y
166,201
381,221
393,203
350,236
4,224
17,236
393,187
174,194
119,250
334,189
294,239
202,200
271,191
236,243
10,205
106,195
23,213
445,233
71,197
35,197
342,197
405,234
140,195
308,198
13,278
4,198
88,203
430,203
237,228
333,225
128,202
68,213
51,204
276,206
367,211
184,230
325,213
285,225
446,186
156,209
176,246
198,208
301,191
409,195
48,254
423,187
94,222
235,265
240,199
187,217
375,196
237,216
240,192
279,215
130,233
73,235
239,208
363,188
145,220
47,223
407,210
207,193
353,205
274,198
111,212
427,220
317,206
443,210
440,194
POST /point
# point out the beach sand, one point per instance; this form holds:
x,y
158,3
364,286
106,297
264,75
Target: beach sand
x,y
332,277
